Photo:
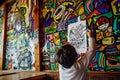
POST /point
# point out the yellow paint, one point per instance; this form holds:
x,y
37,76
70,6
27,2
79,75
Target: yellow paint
x,y
118,46
102,48
67,3
95,19
80,10
114,9
102,60
56,38
89,21
10,32
109,32
108,41
99,35
10,37
44,11
57,66
118,38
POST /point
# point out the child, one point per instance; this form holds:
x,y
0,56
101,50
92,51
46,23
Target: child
x,y
71,67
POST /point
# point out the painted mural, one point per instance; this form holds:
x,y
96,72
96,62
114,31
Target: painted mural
x,y
57,15
1,34
21,36
102,16
1,29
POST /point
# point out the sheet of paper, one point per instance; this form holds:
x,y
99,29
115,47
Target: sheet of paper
x,y
77,35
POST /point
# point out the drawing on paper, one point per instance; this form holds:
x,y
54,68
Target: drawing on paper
x,y
77,36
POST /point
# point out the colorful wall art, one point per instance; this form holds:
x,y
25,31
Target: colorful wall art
x,y
2,20
57,17
22,35
102,16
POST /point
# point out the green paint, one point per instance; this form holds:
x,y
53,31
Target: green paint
x,y
53,66
108,15
116,30
108,68
10,32
99,59
50,29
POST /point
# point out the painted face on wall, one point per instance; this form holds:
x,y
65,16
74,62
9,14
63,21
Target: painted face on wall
x,y
103,27
50,37
18,27
102,23
18,24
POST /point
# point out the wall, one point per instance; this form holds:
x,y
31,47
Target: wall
x,y
102,17
2,20
57,16
22,35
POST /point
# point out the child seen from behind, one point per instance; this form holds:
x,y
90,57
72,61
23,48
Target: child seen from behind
x,y
70,66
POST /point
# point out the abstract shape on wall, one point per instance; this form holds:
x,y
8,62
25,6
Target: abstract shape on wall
x,y
102,18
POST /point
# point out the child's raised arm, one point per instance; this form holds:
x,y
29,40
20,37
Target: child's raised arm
x,y
91,49
91,42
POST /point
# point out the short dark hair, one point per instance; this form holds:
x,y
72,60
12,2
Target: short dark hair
x,y
66,55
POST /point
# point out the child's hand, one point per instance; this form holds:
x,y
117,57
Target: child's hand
x,y
90,33
80,56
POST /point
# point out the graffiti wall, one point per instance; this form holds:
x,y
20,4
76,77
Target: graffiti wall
x,y
22,35
102,17
57,15
1,34
1,28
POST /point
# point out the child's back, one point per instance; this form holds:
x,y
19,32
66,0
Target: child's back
x,y
71,68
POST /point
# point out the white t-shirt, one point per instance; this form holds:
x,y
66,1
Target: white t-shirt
x,y
76,72
78,69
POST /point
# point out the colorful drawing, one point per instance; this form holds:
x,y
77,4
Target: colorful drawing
x,y
2,24
55,21
1,30
77,36
20,46
102,16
